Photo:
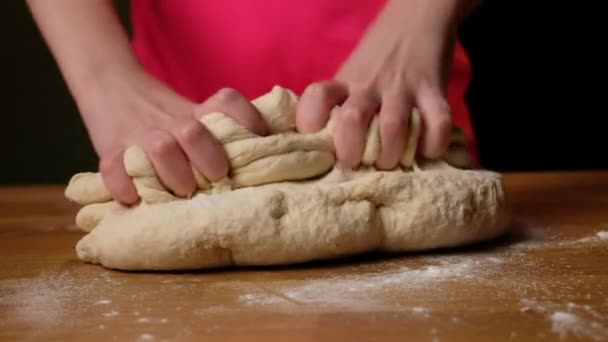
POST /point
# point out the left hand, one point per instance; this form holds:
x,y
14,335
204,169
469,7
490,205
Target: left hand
x,y
402,62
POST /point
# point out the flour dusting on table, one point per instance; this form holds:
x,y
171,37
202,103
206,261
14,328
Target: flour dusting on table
x,y
369,291
146,337
565,324
539,242
42,301
570,320
603,235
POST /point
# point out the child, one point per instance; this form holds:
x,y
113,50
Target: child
x,y
373,57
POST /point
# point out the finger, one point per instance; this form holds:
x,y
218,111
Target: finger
x,y
352,124
169,162
394,122
236,106
116,179
437,123
316,103
206,154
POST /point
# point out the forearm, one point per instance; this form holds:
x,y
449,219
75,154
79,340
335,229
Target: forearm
x,y
440,16
85,37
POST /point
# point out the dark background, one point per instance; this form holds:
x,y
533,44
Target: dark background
x,y
533,109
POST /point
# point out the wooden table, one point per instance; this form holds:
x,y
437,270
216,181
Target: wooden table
x,y
546,280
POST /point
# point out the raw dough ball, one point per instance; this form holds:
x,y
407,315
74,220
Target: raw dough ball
x,y
285,202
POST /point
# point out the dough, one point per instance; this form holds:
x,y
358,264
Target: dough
x,y
286,202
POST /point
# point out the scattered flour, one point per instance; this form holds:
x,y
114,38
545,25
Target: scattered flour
x,y
148,320
112,313
565,323
46,300
103,302
571,319
599,236
146,337
548,243
368,291
603,235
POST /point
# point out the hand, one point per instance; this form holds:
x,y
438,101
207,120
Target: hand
x,y
402,62
122,105
136,109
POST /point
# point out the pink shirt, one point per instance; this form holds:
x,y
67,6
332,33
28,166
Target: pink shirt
x,y
200,46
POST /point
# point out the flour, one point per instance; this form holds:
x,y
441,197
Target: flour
x,y
112,313
420,310
146,337
46,300
538,242
369,291
148,320
565,324
568,319
53,299
603,235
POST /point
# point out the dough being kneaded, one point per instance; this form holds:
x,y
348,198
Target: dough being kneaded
x,y
286,202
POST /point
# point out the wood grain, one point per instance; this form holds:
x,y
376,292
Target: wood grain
x,y
546,280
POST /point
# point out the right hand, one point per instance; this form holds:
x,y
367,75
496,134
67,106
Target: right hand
x,y
136,109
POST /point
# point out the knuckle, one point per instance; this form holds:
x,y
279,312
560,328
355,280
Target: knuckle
x,y
226,95
162,143
320,90
362,88
354,116
393,124
188,131
395,94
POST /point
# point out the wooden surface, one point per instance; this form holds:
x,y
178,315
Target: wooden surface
x,y
546,280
